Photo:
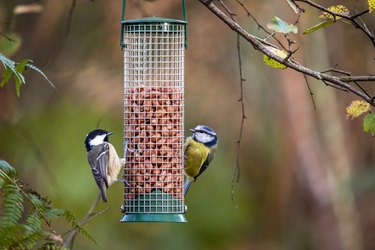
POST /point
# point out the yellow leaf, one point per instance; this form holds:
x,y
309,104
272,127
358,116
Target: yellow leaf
x,y
27,8
357,108
339,9
273,63
371,6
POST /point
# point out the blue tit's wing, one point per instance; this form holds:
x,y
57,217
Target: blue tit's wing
x,y
187,146
206,163
195,155
102,163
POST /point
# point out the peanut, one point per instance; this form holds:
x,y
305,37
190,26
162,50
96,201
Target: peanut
x,y
153,119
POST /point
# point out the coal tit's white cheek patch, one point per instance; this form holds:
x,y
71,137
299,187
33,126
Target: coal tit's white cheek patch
x,y
99,139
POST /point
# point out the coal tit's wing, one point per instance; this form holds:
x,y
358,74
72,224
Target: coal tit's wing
x,y
101,163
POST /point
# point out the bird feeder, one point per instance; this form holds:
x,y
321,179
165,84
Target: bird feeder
x,y
153,118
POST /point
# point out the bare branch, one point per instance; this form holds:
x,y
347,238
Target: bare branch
x,y
89,215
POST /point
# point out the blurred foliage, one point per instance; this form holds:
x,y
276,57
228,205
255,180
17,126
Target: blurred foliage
x,y
10,43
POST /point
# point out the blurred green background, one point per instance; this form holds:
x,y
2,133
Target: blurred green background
x,y
307,176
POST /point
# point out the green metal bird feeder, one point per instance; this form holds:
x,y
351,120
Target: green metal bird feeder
x,y
154,50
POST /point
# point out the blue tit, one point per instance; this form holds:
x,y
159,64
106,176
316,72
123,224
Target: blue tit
x,y
103,160
199,151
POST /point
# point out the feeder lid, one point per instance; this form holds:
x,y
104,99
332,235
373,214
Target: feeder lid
x,y
156,20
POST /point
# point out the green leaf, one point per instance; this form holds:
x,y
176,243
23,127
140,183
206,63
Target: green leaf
x,y
10,43
371,6
18,86
21,66
12,205
16,70
369,124
6,76
318,26
18,76
8,169
281,26
73,221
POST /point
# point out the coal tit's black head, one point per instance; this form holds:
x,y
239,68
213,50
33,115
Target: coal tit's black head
x,y
96,137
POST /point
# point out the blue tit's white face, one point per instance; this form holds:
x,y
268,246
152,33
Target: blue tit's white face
x,y
205,135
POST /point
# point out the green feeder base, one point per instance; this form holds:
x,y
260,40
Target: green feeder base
x,y
176,218
156,206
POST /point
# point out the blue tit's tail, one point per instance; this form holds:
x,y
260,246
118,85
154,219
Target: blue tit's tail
x,y
187,186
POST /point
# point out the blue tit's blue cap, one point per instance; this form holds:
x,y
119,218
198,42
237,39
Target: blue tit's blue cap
x,y
203,128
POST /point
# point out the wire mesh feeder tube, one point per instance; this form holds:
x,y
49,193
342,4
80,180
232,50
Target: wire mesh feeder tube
x,y
154,120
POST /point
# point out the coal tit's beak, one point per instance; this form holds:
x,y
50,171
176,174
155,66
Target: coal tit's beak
x,y
109,133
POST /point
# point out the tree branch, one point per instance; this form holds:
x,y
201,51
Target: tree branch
x,y
89,215
338,82
351,18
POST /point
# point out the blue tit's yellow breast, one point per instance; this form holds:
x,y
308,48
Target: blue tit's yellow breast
x,y
195,155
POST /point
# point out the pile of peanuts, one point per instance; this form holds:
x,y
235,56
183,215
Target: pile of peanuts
x,y
154,136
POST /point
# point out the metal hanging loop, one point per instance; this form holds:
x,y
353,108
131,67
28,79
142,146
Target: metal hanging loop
x,y
123,19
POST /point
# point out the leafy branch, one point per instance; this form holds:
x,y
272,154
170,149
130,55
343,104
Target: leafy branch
x,y
353,19
279,53
341,82
16,71
24,229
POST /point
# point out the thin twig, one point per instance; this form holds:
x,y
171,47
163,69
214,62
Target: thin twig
x,y
70,19
8,37
311,93
346,73
237,170
89,215
69,22
269,34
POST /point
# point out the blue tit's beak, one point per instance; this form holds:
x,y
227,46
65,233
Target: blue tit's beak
x,y
109,133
